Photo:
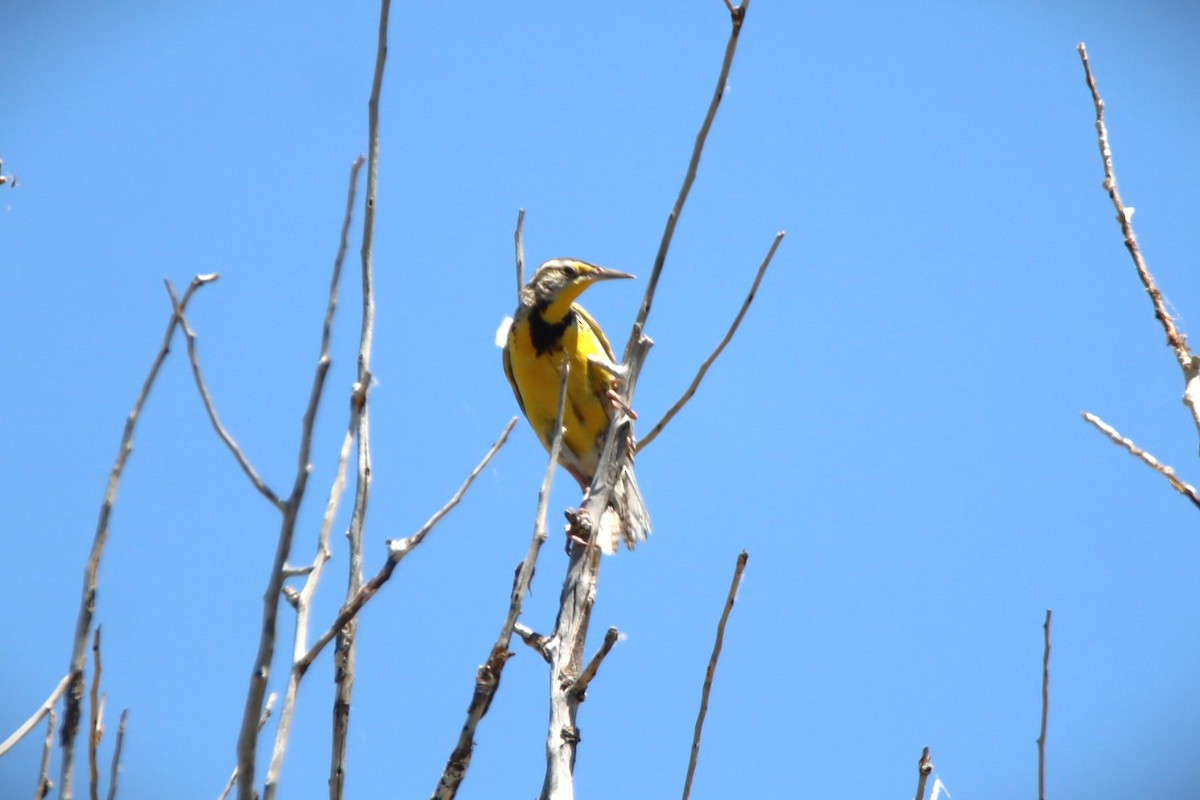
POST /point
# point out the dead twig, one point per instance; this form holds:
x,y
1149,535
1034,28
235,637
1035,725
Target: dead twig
x,y
737,15
1041,741
44,784
738,570
97,723
924,770
533,639
1186,489
345,654
211,408
1188,363
397,550
519,242
302,600
91,573
116,759
580,686
708,362
45,708
262,721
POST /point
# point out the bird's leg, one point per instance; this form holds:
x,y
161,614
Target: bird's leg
x,y
579,523
617,372
614,397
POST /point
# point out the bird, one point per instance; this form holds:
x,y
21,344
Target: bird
x,y
547,326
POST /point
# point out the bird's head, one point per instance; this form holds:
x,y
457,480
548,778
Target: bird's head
x,y
559,282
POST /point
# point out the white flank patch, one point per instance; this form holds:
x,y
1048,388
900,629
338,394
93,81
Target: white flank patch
x,y
502,332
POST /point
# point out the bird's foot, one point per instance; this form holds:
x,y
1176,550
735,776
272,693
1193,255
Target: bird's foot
x,y
579,527
617,401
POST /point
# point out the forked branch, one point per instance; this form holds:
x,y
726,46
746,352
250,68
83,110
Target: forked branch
x,y
87,604
708,362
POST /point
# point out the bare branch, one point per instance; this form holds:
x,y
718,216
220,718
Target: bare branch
x,y
737,15
345,657
262,721
738,570
44,784
519,240
302,600
1186,489
580,686
303,659
91,573
116,759
97,727
924,770
45,708
534,639
1188,363
397,550
247,747
487,677
211,408
708,362
1041,742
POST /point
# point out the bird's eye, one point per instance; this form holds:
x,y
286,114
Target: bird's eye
x,y
569,272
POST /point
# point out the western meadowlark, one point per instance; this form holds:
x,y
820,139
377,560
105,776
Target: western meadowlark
x,y
547,327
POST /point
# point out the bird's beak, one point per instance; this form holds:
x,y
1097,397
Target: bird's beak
x,y
604,273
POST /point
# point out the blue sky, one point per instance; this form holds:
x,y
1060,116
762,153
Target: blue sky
x,y
894,435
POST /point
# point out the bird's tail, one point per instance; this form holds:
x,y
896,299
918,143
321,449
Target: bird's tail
x,y
626,518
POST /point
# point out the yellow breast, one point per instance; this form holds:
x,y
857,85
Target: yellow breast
x,y
534,375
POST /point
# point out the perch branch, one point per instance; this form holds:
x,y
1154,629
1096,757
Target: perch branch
x,y
91,573
924,770
708,362
738,570
737,15
1186,489
1041,742
1188,362
487,677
